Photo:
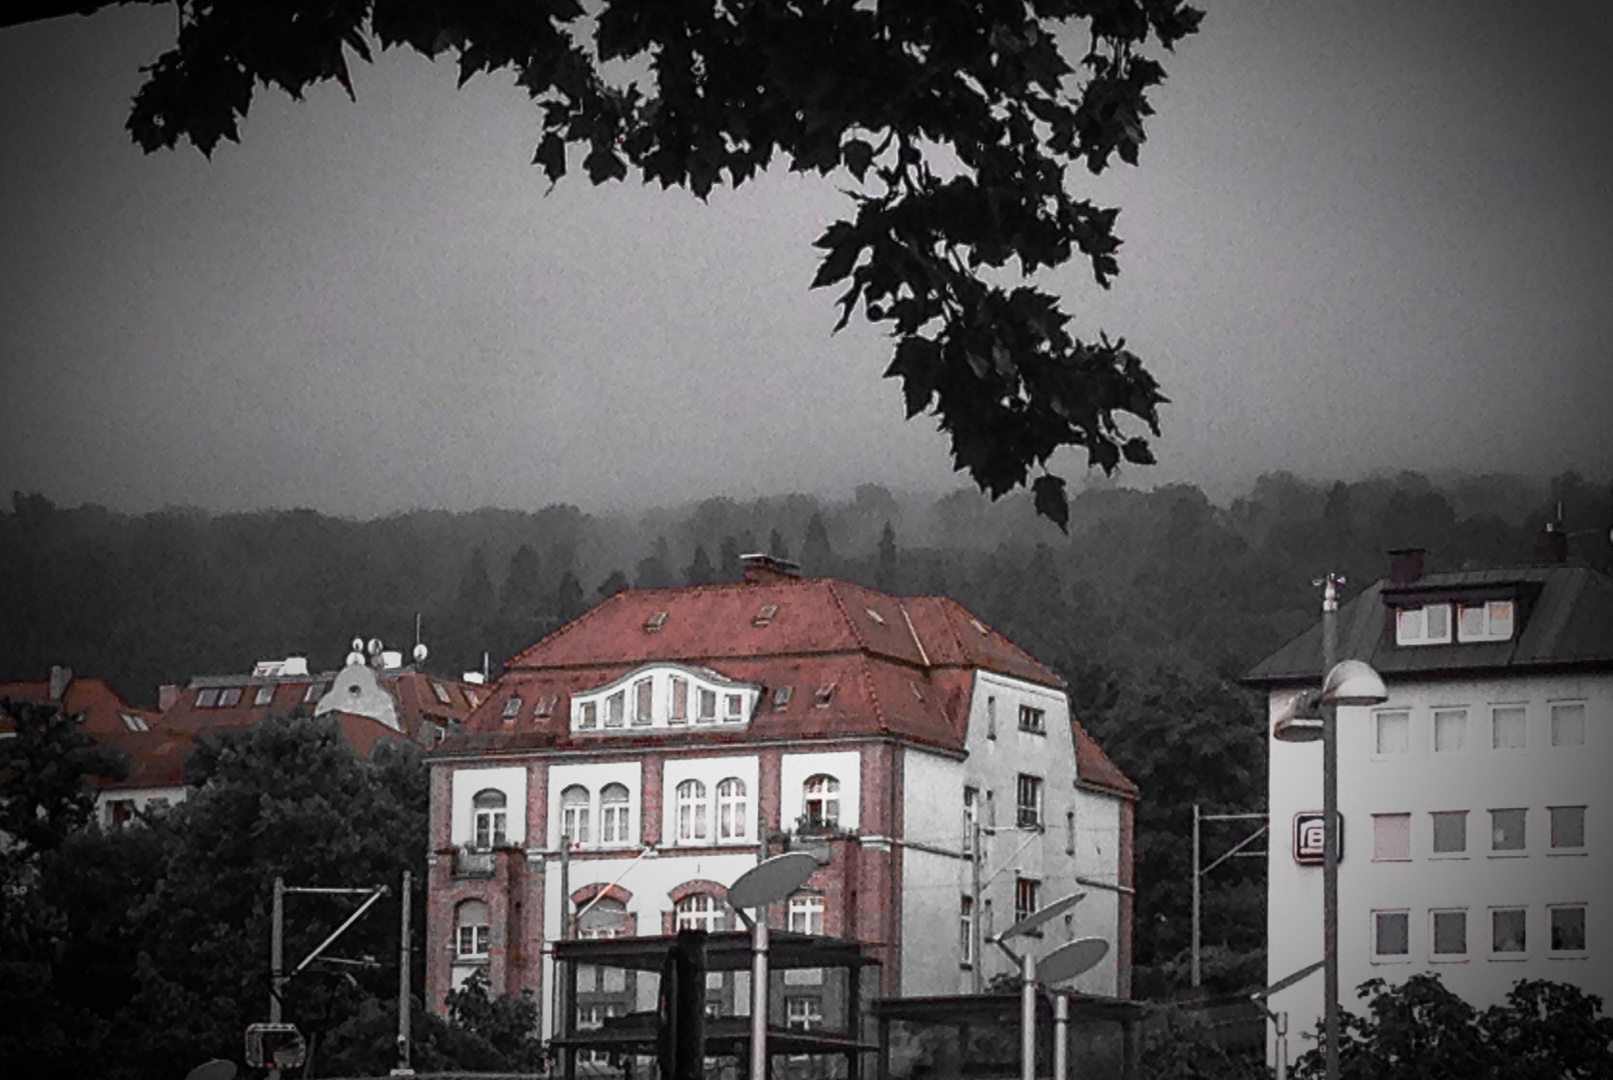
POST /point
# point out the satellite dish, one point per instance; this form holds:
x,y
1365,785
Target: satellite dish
x,y
1042,915
420,653
217,1069
358,644
771,880
374,647
1068,961
355,657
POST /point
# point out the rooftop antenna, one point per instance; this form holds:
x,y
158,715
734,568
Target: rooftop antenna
x,y
486,670
420,650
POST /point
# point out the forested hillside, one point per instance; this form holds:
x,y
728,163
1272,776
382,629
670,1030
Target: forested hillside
x,y
1152,606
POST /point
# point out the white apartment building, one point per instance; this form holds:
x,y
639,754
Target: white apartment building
x,y
1477,825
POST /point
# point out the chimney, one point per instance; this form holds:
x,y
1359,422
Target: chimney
x,y
59,678
167,694
1555,543
1406,565
761,569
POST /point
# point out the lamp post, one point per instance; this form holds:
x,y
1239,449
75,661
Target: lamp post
x,y
764,884
1312,715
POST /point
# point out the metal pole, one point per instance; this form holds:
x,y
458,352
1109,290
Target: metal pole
x,y
1282,1045
1196,895
976,931
404,1068
1061,1035
276,949
758,1009
557,997
1330,833
1027,1017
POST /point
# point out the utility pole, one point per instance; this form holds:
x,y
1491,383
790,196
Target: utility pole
x,y
404,1068
1199,818
277,944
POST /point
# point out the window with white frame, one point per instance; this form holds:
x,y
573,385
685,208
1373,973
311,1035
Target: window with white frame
x,y
1426,625
1509,727
616,709
1568,723
588,716
1450,832
1509,931
966,931
1033,720
512,707
119,811
691,811
708,707
1028,805
1567,828
613,814
1507,830
643,702
264,695
604,918
472,932
678,710
821,799
971,817
1567,922
1391,837
1450,731
490,814
574,807
803,1013
734,711
699,911
1449,934
731,809
592,1018
1027,897
1392,731
207,699
1391,934
1490,620
806,913
229,698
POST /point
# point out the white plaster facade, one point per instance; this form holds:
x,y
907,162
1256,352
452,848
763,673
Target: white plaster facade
x,y
1424,779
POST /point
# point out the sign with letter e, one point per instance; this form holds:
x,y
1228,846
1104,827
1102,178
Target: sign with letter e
x,y
1308,838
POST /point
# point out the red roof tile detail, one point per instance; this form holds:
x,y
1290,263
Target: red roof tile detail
x,y
1094,769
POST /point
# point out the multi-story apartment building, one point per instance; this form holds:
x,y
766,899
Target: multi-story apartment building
x,y
627,768
1477,823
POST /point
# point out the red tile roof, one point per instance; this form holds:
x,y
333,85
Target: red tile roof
x,y
156,755
1094,769
900,666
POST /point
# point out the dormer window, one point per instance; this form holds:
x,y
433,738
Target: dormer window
x,y
512,707
824,696
265,695
135,723
764,615
1491,620
663,696
230,697
781,697
545,705
643,702
1426,625
588,716
207,699
875,617
708,707
616,709
679,712
655,622
735,710
438,689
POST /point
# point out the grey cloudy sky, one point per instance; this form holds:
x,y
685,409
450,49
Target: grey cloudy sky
x,y
1362,236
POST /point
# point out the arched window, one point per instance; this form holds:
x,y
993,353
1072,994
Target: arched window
x,y
822,799
606,918
574,814
731,809
691,811
472,938
488,807
701,911
613,814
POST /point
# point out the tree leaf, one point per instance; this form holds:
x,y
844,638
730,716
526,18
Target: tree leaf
x,y
1051,501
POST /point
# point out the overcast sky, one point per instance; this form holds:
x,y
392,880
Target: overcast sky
x,y
1362,236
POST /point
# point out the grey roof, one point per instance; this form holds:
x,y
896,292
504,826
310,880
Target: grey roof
x,y
1567,614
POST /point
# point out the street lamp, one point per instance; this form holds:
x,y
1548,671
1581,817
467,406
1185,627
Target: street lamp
x,y
763,885
1063,963
1350,682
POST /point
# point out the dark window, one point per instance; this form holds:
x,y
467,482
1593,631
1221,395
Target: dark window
x,y
1029,803
1032,720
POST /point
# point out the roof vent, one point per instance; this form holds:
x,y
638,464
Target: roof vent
x,y
762,568
1406,565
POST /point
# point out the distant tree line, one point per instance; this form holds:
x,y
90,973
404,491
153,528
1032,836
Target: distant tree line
x,y
1151,608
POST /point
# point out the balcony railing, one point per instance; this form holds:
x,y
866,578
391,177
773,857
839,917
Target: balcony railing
x,y
472,862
